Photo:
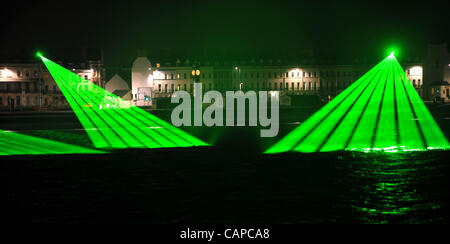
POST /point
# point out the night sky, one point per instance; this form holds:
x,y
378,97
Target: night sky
x,y
225,29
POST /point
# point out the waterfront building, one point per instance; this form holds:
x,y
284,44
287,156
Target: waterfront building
x,y
29,86
308,79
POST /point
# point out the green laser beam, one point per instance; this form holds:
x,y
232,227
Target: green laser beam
x,y
12,143
111,122
344,131
291,140
380,111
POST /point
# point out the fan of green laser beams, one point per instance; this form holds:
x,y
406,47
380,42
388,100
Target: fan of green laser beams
x,y
12,143
381,111
111,122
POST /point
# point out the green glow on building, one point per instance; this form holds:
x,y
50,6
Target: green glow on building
x,y
12,143
111,122
381,111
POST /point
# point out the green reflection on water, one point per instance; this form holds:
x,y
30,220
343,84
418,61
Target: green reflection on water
x,y
391,187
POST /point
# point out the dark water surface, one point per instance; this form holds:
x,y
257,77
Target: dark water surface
x,y
206,185
232,182
395,187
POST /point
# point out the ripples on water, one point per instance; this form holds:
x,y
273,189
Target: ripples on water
x,y
410,187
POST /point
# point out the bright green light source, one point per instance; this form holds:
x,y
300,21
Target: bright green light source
x,y
381,111
111,122
38,54
12,143
391,51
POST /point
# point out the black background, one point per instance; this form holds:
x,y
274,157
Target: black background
x,y
224,29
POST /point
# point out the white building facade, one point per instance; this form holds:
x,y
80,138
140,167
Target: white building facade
x,y
31,86
325,81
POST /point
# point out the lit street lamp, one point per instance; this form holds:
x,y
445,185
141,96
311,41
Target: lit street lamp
x,y
238,70
196,72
